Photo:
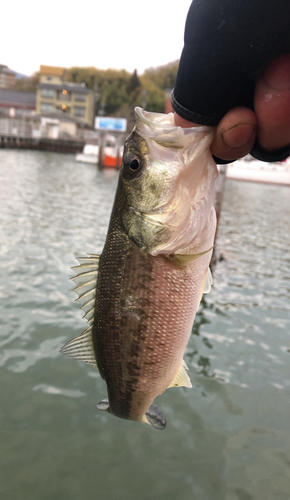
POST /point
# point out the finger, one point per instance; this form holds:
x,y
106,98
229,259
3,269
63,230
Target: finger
x,y
272,105
235,134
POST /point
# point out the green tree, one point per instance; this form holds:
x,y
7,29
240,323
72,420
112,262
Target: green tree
x,y
27,84
118,91
134,88
154,98
163,76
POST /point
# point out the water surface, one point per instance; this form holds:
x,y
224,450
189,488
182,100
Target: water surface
x,y
228,438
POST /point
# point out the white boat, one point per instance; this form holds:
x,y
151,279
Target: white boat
x,y
258,171
90,154
111,150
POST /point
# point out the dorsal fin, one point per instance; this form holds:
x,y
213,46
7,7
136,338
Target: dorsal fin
x,y
81,348
181,378
86,281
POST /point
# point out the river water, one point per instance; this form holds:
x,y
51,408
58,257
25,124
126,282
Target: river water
x,y
228,438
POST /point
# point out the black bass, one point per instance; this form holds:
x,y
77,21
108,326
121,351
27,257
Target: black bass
x,y
140,296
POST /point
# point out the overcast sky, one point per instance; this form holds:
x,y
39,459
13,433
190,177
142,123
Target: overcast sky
x,y
105,34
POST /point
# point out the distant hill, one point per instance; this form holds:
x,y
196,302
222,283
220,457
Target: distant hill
x,y
18,76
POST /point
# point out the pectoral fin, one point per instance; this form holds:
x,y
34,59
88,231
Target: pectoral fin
x,y
180,260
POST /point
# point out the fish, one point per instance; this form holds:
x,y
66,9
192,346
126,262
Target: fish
x,y
141,295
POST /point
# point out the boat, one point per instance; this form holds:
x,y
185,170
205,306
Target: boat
x,y
258,171
90,154
111,157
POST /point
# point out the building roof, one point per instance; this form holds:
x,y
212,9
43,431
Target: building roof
x,y
17,97
52,70
70,86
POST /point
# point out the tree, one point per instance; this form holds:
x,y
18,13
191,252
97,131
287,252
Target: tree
x,y
134,87
119,92
163,76
27,84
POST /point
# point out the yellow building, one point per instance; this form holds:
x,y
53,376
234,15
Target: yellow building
x,y
54,93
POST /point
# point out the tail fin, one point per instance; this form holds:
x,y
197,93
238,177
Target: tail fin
x,y
155,417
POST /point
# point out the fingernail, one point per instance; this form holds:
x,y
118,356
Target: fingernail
x,y
277,75
239,136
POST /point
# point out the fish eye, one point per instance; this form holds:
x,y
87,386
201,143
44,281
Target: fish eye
x,y
134,164
132,167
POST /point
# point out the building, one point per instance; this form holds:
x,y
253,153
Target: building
x,y
15,103
54,93
55,125
7,77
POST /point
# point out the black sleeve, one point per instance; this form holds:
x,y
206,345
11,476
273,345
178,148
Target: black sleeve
x,y
227,45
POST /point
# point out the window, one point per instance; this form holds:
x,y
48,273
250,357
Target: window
x,y
79,111
80,97
63,108
63,95
48,93
46,106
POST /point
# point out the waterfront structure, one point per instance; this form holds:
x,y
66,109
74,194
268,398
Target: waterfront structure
x,y
16,103
54,93
55,125
7,77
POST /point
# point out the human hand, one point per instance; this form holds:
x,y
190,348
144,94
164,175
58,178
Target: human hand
x,y
269,123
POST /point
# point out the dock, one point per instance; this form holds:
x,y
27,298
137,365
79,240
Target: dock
x,y
41,144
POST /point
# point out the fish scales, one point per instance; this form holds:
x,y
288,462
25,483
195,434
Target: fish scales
x,y
143,315
153,268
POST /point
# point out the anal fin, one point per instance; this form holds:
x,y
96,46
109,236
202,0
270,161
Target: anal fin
x,y
181,379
